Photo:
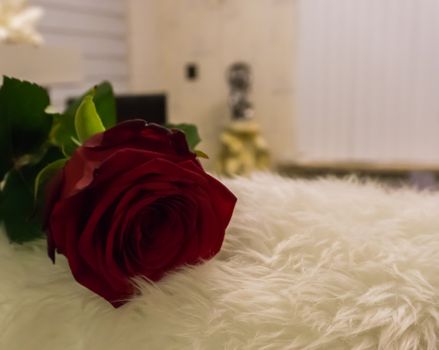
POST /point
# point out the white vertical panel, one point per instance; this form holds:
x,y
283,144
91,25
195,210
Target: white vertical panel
x,y
368,80
98,28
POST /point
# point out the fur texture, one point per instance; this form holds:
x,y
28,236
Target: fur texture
x,y
325,264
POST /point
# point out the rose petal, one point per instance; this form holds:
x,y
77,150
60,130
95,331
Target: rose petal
x,y
65,229
117,135
119,232
53,191
120,195
223,199
137,134
167,241
188,223
211,232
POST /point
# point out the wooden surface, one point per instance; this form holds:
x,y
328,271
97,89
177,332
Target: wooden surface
x,y
358,167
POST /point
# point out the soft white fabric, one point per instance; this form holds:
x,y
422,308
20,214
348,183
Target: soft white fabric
x,y
323,264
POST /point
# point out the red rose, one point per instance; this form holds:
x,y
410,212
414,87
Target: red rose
x,y
134,201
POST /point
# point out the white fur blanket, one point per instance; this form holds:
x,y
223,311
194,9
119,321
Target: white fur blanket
x,y
323,264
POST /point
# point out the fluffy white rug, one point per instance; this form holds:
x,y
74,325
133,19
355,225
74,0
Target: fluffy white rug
x,y
323,264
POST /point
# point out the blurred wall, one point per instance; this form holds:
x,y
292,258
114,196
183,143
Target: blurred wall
x,y
98,31
168,34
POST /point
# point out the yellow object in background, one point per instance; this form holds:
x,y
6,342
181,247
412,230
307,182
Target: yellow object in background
x,y
243,149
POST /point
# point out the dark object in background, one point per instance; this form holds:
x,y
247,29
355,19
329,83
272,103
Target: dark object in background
x,y
151,108
191,71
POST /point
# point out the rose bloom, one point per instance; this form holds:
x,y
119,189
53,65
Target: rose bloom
x,y
134,201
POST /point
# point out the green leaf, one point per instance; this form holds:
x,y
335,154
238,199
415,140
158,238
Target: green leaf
x,y
201,154
87,120
19,212
17,207
105,104
46,174
64,131
24,124
191,132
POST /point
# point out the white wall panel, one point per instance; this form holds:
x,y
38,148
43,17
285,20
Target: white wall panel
x,y
367,80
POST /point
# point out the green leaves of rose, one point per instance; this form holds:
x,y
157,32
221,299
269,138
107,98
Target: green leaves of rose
x,y
34,144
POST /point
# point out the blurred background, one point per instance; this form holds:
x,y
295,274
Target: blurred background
x,y
333,86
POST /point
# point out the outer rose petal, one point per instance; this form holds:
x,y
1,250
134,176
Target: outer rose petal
x,y
220,196
52,195
65,229
141,135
